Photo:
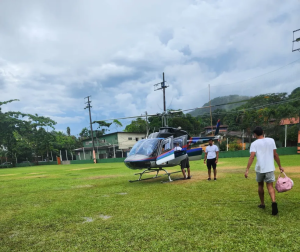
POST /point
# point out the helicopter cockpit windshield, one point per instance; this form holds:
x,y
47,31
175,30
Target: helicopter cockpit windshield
x,y
146,147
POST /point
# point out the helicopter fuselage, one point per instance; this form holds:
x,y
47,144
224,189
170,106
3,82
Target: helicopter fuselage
x,y
158,150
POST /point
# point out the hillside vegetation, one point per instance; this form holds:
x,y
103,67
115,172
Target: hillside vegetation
x,y
221,100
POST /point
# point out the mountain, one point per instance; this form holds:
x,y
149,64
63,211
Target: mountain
x,y
221,100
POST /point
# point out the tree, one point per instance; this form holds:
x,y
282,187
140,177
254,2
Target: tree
x,y
13,129
68,131
138,125
85,133
103,126
117,123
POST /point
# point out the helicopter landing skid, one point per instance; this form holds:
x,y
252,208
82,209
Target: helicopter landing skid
x,y
156,176
146,171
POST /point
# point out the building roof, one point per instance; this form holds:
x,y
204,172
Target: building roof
x,y
288,121
91,148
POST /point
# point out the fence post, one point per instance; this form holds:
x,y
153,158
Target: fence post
x,y
227,143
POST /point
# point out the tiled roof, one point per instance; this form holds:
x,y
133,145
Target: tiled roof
x,y
288,121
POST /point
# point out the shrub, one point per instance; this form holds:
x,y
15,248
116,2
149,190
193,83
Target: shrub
x,y
223,146
234,146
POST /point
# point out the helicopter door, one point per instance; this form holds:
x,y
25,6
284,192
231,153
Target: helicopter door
x,y
194,148
167,151
179,155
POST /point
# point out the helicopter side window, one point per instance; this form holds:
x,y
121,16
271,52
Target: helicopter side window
x,y
178,141
167,145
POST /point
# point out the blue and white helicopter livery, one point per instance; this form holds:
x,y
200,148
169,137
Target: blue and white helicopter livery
x,y
157,151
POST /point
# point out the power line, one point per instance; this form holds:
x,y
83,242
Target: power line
x,y
214,113
258,76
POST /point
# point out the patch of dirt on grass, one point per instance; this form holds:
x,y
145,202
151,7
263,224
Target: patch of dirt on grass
x,y
122,193
102,177
293,169
7,175
34,173
82,186
240,170
230,167
86,168
37,176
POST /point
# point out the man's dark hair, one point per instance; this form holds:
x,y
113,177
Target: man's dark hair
x,y
209,140
258,131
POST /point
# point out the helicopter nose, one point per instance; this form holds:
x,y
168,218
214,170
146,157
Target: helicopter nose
x,y
137,162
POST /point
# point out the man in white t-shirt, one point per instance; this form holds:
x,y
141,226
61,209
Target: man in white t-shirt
x,y
212,156
265,151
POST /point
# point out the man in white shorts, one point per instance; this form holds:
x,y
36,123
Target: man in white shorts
x,y
265,151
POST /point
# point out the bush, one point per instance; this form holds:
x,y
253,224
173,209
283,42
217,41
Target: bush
x,y
223,146
234,146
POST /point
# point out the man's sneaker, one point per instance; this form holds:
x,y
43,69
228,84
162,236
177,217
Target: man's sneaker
x,y
215,179
209,179
262,206
188,177
274,208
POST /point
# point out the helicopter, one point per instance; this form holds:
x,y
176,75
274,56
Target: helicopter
x,y
157,151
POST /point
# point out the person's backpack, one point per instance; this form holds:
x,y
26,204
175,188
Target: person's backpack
x,y
284,184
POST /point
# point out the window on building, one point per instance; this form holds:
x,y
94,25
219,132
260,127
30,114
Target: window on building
x,y
129,138
136,139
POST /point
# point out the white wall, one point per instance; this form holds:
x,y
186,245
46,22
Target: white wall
x,y
123,141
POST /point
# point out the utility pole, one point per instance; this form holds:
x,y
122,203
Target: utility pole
x,y
164,91
294,49
162,85
210,109
295,40
147,129
243,142
89,107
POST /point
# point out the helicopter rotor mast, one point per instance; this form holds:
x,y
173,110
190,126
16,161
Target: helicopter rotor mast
x,y
162,85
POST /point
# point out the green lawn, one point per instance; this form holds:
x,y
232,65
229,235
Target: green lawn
x,y
93,207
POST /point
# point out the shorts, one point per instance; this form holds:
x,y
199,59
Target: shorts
x,y
185,163
211,163
268,177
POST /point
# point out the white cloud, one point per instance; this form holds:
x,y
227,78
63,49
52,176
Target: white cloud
x,y
55,53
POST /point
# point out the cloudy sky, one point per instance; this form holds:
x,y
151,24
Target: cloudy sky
x,y
55,53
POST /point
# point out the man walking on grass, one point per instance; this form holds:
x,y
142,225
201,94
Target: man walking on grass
x,y
184,163
212,156
265,151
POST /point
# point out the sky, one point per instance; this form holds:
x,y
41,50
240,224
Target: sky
x,y
55,53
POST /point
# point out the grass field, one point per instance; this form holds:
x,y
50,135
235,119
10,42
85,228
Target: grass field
x,y
93,207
